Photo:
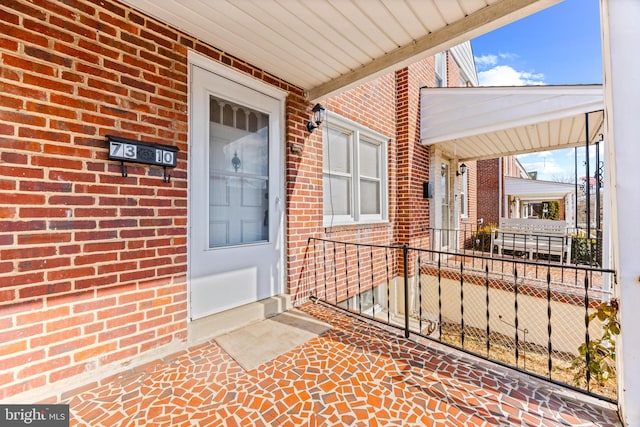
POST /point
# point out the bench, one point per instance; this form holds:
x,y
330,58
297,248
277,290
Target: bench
x,y
532,236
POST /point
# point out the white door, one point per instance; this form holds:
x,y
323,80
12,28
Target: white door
x,y
445,233
235,197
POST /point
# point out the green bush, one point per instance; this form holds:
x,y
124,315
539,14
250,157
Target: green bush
x,y
583,250
482,238
601,353
554,210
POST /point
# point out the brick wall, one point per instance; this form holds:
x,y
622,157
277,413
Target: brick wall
x,y
413,157
92,265
372,105
488,190
389,105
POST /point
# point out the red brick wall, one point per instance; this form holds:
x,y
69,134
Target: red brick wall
x,y
371,105
389,105
413,157
92,265
488,191
489,186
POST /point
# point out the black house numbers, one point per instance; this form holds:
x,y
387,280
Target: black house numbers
x,y
130,150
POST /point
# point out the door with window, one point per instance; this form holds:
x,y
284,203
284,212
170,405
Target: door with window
x,y
235,198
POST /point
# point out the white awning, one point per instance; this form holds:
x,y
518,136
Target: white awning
x,y
488,122
330,45
536,190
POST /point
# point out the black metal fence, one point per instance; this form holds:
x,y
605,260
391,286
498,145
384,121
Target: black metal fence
x,y
527,315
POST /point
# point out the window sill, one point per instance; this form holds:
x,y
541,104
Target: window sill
x,y
345,226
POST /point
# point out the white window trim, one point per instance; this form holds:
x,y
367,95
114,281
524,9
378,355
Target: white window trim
x,y
441,67
359,131
195,58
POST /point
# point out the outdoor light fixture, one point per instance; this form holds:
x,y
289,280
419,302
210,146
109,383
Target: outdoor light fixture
x,y
318,117
463,169
236,162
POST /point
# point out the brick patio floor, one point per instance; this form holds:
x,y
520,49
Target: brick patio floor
x,y
353,374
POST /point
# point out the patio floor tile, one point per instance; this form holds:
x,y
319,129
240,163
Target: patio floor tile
x,y
353,374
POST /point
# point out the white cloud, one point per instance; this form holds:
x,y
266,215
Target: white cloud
x,y
547,169
534,155
504,75
508,55
551,165
490,60
486,61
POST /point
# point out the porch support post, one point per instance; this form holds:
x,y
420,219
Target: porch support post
x,y
587,183
622,102
575,170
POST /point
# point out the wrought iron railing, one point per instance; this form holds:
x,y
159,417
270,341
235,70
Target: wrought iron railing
x,y
530,316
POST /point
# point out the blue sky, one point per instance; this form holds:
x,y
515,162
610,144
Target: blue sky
x,y
559,45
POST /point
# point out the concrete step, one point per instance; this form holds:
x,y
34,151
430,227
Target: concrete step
x,y
226,321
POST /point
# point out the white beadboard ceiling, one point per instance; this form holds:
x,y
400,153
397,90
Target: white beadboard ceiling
x,y
488,122
325,46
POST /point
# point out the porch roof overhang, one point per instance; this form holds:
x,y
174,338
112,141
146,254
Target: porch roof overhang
x,y
536,190
324,47
474,123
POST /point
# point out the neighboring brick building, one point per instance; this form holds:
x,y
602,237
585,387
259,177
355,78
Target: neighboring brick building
x,y
488,191
93,264
491,204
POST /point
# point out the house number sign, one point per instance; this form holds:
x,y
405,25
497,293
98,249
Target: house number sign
x,y
130,150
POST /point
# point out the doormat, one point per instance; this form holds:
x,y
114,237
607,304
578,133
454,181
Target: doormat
x,y
260,342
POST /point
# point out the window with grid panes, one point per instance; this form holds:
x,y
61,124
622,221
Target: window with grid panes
x,y
354,173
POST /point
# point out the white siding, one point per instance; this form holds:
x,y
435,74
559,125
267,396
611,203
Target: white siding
x,y
463,54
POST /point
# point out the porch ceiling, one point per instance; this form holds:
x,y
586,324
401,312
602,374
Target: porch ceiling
x,y
489,122
327,46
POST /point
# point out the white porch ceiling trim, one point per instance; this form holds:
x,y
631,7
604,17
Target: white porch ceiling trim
x,y
490,122
327,46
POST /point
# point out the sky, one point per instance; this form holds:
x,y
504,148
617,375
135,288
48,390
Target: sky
x,y
557,46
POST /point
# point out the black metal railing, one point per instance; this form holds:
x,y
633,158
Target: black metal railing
x,y
523,314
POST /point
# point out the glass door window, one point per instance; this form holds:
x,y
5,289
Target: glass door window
x,y
238,174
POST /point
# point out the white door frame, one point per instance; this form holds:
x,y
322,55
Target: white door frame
x,y
198,60
437,158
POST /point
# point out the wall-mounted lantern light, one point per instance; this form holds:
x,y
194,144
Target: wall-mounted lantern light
x,y
462,171
236,162
318,117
